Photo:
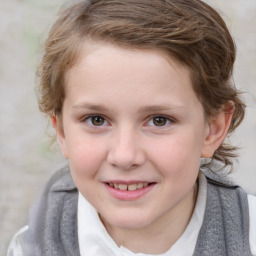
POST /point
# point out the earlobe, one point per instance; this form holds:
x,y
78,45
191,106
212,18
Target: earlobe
x,y
60,135
217,130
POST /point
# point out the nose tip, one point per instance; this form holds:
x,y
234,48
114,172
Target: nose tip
x,y
123,160
125,153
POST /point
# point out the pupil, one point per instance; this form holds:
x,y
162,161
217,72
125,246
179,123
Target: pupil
x,y
97,120
159,121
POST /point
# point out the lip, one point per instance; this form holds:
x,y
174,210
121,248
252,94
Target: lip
x,y
128,195
129,182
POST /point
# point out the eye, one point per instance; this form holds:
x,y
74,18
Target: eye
x,y
96,121
159,121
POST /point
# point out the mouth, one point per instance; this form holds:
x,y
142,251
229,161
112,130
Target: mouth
x,y
130,187
131,191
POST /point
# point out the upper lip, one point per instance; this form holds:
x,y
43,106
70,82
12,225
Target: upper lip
x,y
128,182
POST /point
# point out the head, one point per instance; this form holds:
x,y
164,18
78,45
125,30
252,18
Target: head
x,y
191,32
138,91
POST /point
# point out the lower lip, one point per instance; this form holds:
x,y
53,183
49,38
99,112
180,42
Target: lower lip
x,y
129,195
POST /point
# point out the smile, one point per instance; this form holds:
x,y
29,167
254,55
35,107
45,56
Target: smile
x,y
128,192
130,187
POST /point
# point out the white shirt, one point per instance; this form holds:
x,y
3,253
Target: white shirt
x,y
94,239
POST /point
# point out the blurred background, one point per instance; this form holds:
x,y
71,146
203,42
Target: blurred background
x,y
27,159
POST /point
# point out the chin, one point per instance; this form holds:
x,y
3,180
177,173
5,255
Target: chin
x,y
129,221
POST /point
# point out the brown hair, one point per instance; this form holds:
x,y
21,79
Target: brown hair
x,y
190,31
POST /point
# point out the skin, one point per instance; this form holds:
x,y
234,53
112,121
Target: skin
x,y
131,115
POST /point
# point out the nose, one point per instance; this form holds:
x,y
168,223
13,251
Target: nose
x,y
125,150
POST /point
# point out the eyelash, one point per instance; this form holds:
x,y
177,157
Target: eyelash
x,y
166,119
88,120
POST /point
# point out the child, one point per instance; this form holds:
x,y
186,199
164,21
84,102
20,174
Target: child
x,y
139,91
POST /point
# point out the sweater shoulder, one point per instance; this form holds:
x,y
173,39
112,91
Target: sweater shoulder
x,y
61,180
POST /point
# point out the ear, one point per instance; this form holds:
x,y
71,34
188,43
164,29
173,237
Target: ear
x,y
58,127
217,129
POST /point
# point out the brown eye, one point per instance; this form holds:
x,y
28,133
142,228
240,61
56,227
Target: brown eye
x,y
96,120
159,121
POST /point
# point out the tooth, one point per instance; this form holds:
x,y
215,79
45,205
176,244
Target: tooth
x,y
111,185
132,187
140,185
122,186
115,185
145,184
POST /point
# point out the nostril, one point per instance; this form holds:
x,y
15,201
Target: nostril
x,y
126,158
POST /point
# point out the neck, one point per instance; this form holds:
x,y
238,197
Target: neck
x,y
166,230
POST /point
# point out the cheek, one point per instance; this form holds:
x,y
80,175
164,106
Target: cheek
x,y
178,155
86,156
86,161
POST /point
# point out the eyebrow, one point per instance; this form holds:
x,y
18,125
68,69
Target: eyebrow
x,y
148,108
153,108
90,106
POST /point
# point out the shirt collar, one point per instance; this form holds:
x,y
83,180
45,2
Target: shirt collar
x,y
95,240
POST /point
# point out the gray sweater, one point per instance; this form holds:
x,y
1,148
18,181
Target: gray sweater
x,y
53,220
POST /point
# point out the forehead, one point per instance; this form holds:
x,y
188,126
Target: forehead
x,y
92,50
106,72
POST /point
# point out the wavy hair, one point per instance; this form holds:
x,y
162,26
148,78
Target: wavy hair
x,y
190,31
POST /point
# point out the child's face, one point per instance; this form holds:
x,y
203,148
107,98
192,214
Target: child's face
x,y
132,119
